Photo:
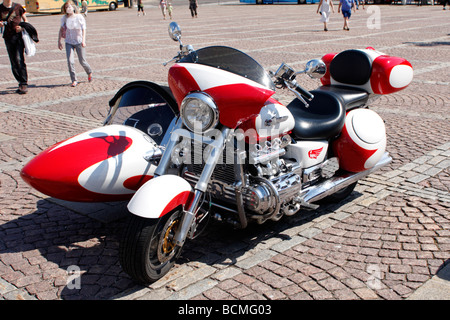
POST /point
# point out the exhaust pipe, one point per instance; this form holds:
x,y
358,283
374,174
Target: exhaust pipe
x,y
328,187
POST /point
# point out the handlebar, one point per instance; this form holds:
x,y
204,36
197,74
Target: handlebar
x,y
305,93
299,92
285,76
184,51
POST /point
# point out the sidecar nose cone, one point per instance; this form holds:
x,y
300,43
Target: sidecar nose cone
x,y
34,173
104,164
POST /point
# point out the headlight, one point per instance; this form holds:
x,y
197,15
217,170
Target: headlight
x,y
199,112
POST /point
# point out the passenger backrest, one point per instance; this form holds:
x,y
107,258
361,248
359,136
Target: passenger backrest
x,y
367,69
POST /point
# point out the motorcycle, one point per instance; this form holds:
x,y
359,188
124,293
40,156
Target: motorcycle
x,y
216,144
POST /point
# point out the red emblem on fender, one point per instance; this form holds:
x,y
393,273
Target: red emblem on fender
x,y
313,154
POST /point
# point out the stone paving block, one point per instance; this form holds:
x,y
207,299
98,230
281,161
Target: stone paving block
x,y
341,215
226,274
408,167
417,178
255,259
367,201
6,287
190,278
159,294
287,244
310,232
432,171
443,164
18,295
193,290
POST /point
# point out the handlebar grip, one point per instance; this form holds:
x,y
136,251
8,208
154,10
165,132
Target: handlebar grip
x,y
305,93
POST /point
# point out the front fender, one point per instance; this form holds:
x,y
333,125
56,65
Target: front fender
x,y
160,196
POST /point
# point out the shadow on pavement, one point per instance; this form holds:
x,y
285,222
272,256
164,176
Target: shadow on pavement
x,y
78,256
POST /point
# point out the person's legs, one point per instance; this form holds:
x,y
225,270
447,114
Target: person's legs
x,y
325,19
346,14
15,48
81,52
71,62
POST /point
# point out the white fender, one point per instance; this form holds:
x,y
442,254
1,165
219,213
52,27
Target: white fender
x,y
160,196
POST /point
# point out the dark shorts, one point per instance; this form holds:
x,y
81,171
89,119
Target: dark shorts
x,y
347,13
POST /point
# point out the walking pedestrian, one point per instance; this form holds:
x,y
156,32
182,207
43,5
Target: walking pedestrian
x,y
11,15
193,7
347,6
163,7
324,8
84,8
358,2
444,2
140,6
169,9
73,29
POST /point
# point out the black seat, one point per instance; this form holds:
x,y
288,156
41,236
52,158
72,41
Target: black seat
x,y
350,96
351,67
325,116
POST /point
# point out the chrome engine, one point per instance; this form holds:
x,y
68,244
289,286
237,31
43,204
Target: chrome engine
x,y
267,187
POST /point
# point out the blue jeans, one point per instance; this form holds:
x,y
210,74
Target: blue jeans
x,y
81,52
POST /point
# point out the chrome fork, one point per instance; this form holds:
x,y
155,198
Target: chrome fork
x,y
218,145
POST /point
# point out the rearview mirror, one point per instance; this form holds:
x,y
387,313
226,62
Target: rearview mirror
x,y
175,31
315,68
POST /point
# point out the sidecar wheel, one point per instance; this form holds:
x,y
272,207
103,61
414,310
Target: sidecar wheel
x,y
147,251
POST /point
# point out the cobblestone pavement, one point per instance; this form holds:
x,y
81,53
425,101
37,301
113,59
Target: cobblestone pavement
x,y
387,241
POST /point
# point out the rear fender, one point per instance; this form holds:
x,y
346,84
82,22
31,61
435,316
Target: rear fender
x,y
160,196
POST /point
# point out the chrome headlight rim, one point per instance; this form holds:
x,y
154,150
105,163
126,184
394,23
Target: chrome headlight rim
x,y
206,100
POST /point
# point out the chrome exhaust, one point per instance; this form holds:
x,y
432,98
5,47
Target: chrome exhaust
x,y
330,186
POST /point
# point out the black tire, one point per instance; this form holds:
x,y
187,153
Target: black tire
x,y
341,194
112,6
145,251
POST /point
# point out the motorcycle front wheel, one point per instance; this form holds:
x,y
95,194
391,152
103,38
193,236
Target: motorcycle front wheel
x,y
147,250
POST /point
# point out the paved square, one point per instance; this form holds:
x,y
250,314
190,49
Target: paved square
x,y
385,242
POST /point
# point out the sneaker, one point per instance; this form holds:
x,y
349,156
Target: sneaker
x,y
23,89
74,84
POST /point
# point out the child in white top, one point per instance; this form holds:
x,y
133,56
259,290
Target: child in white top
x,y
73,29
325,7
163,7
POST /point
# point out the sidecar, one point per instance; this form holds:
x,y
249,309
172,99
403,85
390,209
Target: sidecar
x,y
107,163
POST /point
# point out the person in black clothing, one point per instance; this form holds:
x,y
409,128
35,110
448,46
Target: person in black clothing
x,y
444,2
11,15
193,7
